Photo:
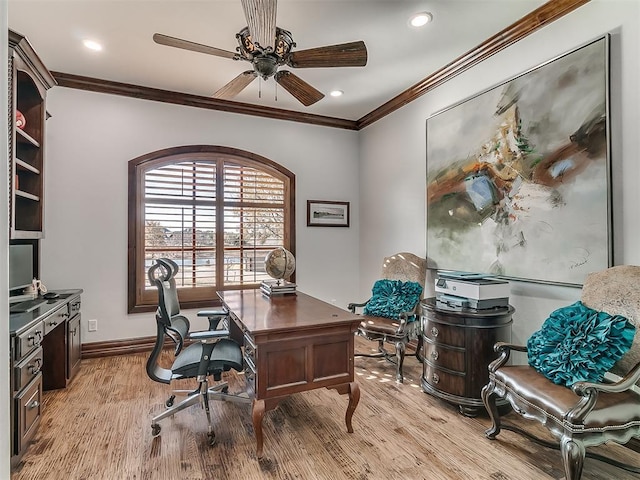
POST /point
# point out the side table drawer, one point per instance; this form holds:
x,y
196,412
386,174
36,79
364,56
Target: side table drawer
x,y
444,381
447,334
28,409
441,356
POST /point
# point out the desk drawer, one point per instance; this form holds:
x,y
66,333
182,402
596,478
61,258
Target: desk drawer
x,y
29,340
250,374
56,318
74,307
249,346
29,409
27,369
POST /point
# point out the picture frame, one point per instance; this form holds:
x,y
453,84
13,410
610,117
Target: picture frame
x,y
519,175
327,213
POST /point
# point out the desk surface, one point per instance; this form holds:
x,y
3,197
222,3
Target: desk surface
x,y
261,314
19,322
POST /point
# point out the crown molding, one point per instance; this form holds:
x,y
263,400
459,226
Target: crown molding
x,y
167,96
543,15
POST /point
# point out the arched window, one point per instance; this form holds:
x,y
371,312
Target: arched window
x,y
216,211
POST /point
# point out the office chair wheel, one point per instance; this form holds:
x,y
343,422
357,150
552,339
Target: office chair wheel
x,y
155,429
169,402
211,437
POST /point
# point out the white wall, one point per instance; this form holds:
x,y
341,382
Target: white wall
x,y
393,151
92,136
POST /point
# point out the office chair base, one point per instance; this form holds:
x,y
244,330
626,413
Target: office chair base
x,y
217,392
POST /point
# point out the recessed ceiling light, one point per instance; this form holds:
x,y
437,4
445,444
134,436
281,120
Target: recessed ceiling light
x,y
420,19
92,45
336,93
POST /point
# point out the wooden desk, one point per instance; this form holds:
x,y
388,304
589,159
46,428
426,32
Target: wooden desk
x,y
292,344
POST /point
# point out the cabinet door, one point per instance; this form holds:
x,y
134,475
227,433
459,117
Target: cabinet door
x,y
28,411
74,346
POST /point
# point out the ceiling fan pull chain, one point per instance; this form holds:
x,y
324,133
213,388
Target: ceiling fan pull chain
x,y
259,87
276,94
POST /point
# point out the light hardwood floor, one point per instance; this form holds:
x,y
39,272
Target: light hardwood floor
x,y
99,428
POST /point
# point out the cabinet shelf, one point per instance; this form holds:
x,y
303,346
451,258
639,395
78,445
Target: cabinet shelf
x,y
28,196
21,165
28,85
26,138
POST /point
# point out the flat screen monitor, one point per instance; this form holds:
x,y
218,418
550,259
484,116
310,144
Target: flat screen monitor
x,y
20,266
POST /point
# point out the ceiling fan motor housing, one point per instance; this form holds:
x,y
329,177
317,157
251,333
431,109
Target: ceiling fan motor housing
x,y
265,60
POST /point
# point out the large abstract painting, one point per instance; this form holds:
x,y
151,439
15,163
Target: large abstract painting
x,y
518,180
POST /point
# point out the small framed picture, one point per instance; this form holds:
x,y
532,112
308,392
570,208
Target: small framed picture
x,y
323,213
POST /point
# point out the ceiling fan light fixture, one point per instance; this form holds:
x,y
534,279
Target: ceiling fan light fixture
x,y
420,19
336,93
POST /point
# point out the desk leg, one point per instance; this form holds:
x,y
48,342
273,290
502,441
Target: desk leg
x,y
354,398
257,414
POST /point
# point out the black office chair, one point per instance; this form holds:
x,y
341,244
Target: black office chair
x,y
210,354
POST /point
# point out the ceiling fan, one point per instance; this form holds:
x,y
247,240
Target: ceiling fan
x,y
268,47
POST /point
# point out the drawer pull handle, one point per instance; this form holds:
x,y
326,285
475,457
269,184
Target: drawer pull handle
x,y
35,369
53,324
34,404
435,354
435,378
434,331
73,332
32,338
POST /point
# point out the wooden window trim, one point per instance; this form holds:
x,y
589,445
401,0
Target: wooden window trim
x,y
135,269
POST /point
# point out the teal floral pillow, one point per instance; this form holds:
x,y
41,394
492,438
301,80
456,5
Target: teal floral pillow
x,y
391,297
577,343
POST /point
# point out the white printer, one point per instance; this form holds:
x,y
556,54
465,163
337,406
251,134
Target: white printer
x,y
458,290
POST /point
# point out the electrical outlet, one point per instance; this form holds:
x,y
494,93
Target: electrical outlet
x,y
92,325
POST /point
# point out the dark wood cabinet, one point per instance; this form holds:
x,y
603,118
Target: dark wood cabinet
x,y
457,350
29,81
45,350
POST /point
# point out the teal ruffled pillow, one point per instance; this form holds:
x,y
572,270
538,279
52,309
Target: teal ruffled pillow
x,y
577,343
391,297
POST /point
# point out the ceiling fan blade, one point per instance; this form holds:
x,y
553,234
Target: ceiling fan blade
x,y
235,86
305,93
353,54
261,20
194,47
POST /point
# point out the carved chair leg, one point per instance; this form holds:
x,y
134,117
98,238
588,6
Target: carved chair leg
x,y
399,360
573,453
489,400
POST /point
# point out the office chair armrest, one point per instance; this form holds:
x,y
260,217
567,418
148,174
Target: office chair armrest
x,y
215,315
205,335
352,306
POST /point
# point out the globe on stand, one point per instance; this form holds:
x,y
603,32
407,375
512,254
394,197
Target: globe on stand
x,y
279,265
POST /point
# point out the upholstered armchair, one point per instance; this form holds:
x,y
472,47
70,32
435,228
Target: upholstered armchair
x,y
390,315
589,413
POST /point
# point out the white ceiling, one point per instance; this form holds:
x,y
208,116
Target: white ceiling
x,y
399,55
